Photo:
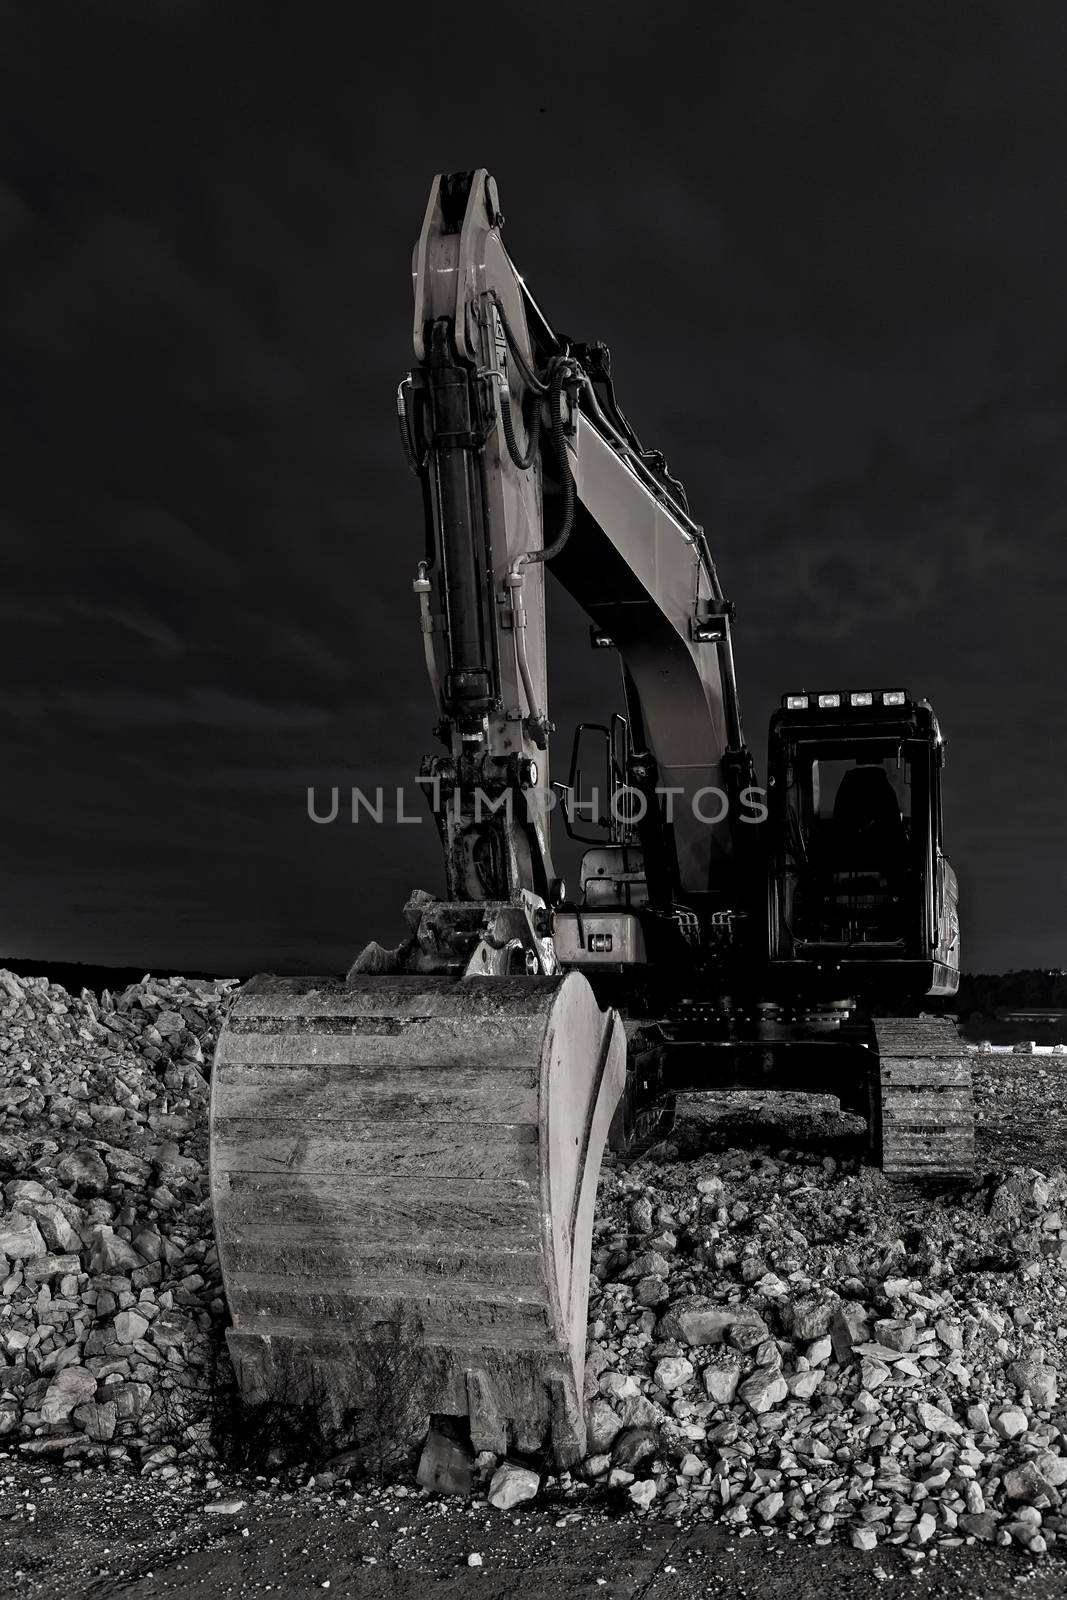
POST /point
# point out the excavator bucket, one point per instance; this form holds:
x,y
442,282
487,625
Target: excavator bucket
x,y
414,1160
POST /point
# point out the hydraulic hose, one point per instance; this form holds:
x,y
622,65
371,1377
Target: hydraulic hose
x,y
418,467
422,588
561,369
533,430
529,376
514,583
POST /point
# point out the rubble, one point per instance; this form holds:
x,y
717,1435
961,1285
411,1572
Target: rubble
x,y
832,1357
110,1299
778,1339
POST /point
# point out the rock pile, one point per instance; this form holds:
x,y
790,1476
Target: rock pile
x,y
778,1342
109,1286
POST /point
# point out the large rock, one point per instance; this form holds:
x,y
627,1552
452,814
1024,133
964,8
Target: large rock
x,y
24,1189
849,1326
148,1244
602,1426
652,1264
808,1318
130,1326
974,1495
1052,1467
696,1320
933,1420
924,1529
639,1412
619,1385
98,1421
651,1291
802,1385
770,1506
980,1525
43,1269
69,1389
673,1372
130,1399
168,1332
893,1333
720,1383
949,1333
1025,1482
874,1373
747,1331
83,1171
20,1238
763,1390
511,1485
108,1252
1036,1378
1011,1423
59,1233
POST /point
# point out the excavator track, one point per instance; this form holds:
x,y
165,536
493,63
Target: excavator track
x,y
923,1106
415,1153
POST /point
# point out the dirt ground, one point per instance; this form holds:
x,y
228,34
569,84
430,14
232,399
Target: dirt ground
x,y
91,1536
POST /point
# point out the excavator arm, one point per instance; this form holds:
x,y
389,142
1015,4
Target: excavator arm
x,y
525,462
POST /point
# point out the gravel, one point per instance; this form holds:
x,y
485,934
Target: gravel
x,y
779,1339
110,1298
818,1351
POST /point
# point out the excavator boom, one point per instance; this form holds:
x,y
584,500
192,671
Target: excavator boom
x,y
494,383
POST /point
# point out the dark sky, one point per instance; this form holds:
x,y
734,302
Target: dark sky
x,y
828,249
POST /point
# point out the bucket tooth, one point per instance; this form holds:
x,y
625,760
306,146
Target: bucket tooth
x,y
403,1173
488,1424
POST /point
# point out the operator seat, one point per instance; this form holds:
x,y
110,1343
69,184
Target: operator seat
x,y
869,854
869,830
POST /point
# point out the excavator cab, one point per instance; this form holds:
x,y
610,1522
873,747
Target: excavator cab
x,y
860,892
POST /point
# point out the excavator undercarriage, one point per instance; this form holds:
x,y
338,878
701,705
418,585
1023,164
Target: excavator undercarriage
x,y
416,1146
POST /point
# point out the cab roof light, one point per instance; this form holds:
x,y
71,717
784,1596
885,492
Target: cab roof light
x,y
828,701
795,702
861,697
893,697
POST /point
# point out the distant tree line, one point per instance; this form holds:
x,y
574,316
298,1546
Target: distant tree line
x,y
984,996
1033,987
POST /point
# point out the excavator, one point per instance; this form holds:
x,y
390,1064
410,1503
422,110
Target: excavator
x,y
421,1137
